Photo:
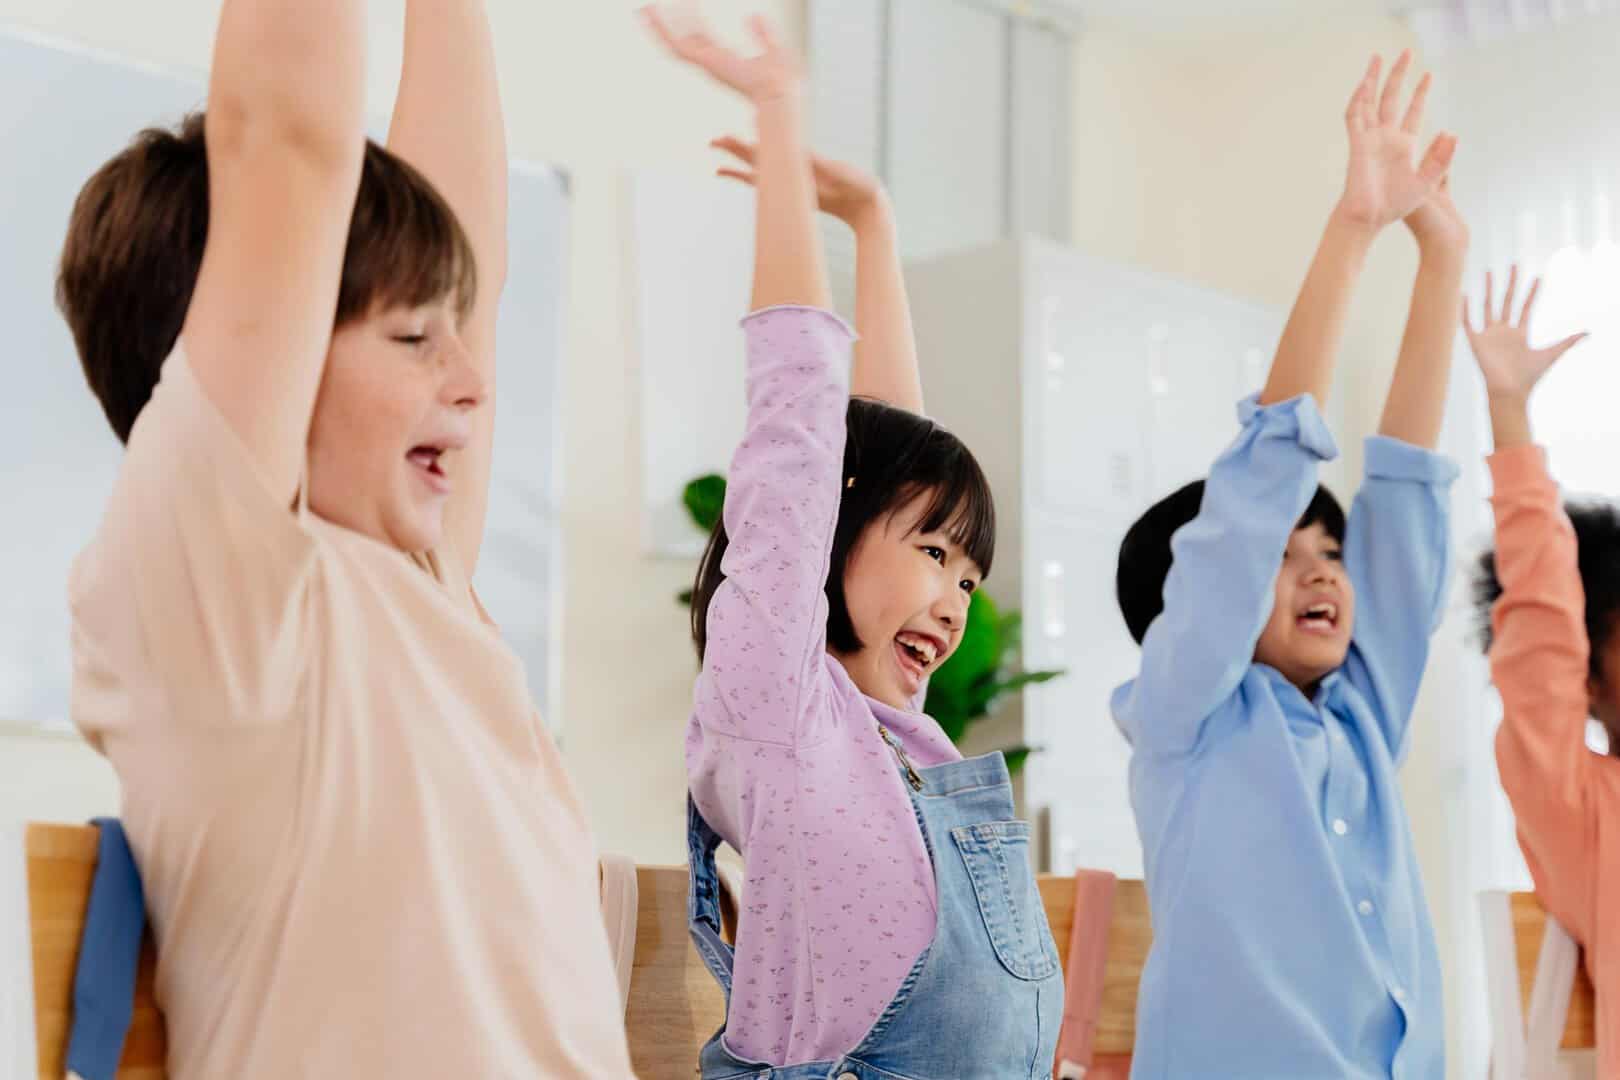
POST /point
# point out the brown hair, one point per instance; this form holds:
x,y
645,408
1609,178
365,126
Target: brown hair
x,y
135,243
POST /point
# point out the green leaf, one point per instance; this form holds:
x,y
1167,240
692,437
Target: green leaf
x,y
1016,757
684,597
704,499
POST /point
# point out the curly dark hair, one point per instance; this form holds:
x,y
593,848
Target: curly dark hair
x,y
1597,539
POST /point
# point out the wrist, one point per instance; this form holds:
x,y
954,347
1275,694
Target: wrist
x,y
1357,233
782,101
1507,401
1442,248
1346,221
873,215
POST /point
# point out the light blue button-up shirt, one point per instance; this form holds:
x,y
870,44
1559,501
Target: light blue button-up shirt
x,y
1291,936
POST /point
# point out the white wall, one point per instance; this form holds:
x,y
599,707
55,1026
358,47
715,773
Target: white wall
x,y
583,90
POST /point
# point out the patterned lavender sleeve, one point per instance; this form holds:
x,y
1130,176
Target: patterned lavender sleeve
x,y
767,624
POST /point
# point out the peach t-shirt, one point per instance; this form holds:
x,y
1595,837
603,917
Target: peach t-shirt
x,y
360,850
1566,799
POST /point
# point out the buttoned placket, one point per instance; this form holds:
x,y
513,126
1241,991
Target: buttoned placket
x,y
1344,818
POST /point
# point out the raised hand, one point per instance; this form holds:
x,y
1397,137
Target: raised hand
x,y
1382,183
842,190
1501,346
774,73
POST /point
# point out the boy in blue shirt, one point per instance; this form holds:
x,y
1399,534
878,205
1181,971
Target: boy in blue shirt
x,y
1291,936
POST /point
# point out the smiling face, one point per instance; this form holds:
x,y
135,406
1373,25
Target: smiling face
x,y
396,400
907,593
1308,634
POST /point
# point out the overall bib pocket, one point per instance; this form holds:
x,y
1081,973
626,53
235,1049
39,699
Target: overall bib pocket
x,y
996,855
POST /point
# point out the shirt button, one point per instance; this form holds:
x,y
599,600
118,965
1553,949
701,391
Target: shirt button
x,y
1340,826
1398,994
1365,907
848,1076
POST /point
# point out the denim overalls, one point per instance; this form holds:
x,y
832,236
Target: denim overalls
x,y
986,998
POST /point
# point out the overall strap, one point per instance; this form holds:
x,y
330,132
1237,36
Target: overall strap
x,y
704,920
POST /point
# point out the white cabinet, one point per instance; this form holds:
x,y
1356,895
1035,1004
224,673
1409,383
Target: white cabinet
x,y
1088,390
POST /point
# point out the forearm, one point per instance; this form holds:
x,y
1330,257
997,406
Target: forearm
x,y
1510,421
448,123
886,351
288,77
789,267
1310,341
1417,396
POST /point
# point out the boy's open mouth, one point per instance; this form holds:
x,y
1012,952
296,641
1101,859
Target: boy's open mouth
x,y
1319,618
427,459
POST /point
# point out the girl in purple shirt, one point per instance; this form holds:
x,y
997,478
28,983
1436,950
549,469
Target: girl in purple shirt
x,y
890,924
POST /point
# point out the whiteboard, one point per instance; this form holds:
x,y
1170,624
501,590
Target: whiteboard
x,y
63,112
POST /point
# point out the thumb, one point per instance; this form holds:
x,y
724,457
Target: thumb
x,y
1555,351
1437,161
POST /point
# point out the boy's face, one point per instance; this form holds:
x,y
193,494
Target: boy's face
x,y
395,408
1308,633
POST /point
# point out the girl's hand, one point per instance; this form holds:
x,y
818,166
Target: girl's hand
x,y
1437,224
842,190
1382,185
1502,347
775,73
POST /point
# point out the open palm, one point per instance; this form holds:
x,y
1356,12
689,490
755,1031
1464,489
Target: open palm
x,y
1502,346
1383,183
772,73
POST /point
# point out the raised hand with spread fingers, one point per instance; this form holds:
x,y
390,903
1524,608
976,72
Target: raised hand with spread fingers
x,y
1512,368
1383,183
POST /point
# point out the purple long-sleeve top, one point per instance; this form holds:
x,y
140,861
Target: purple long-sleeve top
x,y
784,755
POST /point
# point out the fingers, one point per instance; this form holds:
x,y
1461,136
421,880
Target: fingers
x,y
1438,159
741,150
1529,303
763,33
1490,289
736,174
691,42
655,22
1358,116
1507,298
1391,99
1468,320
1414,113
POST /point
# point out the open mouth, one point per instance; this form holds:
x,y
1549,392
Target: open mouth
x,y
917,655
428,461
1320,618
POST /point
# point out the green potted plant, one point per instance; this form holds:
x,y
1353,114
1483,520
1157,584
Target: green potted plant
x,y
969,685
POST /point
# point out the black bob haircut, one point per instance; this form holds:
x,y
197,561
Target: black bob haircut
x,y
1144,554
891,456
1597,541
